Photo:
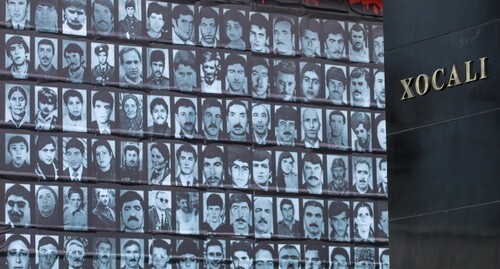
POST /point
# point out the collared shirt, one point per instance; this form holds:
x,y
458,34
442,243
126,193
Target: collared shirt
x,y
77,76
312,146
278,141
50,72
310,236
237,45
185,179
260,139
104,129
20,72
46,123
206,45
358,56
177,40
286,230
76,175
9,119
70,125
337,142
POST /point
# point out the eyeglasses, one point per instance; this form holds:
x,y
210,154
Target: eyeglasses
x,y
19,204
163,200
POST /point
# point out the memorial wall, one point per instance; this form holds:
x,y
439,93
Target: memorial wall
x,y
193,134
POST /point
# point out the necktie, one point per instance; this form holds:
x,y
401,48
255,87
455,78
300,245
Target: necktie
x,y
162,221
189,184
75,176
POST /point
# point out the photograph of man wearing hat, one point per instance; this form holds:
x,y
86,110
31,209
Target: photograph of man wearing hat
x,y
338,184
103,72
130,26
18,52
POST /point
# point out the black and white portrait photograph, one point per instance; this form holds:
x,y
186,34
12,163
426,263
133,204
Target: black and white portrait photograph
x,y
378,44
186,165
286,125
159,116
188,252
130,22
103,117
240,214
131,117
381,167
287,171
336,85
209,27
312,173
234,69
260,32
360,87
263,170
160,211
46,58
105,252
131,162
334,39
363,215
103,160
384,260
47,251
75,210
75,159
158,69
47,157
379,88
74,110
103,63
362,175
185,111
74,17
132,253
238,120
46,18
285,34
187,213
183,25
160,253
339,221
315,255
340,257
17,105
311,82
241,253
289,256
46,111
315,219
18,251
285,80
17,56
159,161
312,127
212,118
213,171
132,207
382,221
48,207
131,71
17,14
361,131
379,128
17,153
158,21
338,174
103,17
210,71
239,166
214,213
215,253
262,132
74,66
260,82
103,210
18,204
263,213
337,126
310,42
358,42
288,217
235,22
184,70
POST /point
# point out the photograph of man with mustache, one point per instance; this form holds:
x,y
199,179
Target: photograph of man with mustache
x,y
312,173
312,133
360,126
213,166
358,49
104,250
362,175
360,87
130,66
263,217
212,118
334,39
241,255
237,121
131,254
185,117
47,252
285,124
44,55
261,124
289,256
158,63
131,206
74,67
314,219
378,44
158,118
240,214
103,18
210,70
284,35
17,206
75,250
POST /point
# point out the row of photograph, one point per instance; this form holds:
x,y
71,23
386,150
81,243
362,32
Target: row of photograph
x,y
193,70
46,108
215,26
68,251
176,211
176,163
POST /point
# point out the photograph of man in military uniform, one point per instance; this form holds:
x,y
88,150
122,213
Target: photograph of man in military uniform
x,y
103,63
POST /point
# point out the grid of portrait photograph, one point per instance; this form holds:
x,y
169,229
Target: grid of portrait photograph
x,y
191,134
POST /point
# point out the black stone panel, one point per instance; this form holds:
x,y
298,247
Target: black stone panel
x,y
444,51
462,238
444,166
406,22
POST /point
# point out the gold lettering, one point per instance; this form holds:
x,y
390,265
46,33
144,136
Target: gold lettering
x,y
418,84
406,84
454,79
484,68
435,78
468,69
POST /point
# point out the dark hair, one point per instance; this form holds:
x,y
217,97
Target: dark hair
x,y
322,251
211,102
331,27
214,199
75,143
285,19
360,205
265,247
313,68
51,191
357,28
129,196
285,67
338,113
131,147
360,161
262,155
310,24
104,143
260,61
16,40
44,140
17,190
239,153
208,13
47,240
78,191
107,3
234,59
13,238
159,243
184,57
156,8
157,55
74,3
18,139
73,48
340,251
214,242
358,72
188,247
103,240
382,160
17,89
337,207
237,102
158,102
163,149
128,49
260,21
212,151
362,118
46,41
286,201
312,158
47,96
335,73
179,10
313,203
104,97
186,148
239,198
241,246
131,242
72,93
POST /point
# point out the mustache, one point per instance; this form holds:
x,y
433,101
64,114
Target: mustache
x,y
312,177
133,218
237,126
212,126
241,219
262,220
314,225
287,133
188,124
16,215
45,58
